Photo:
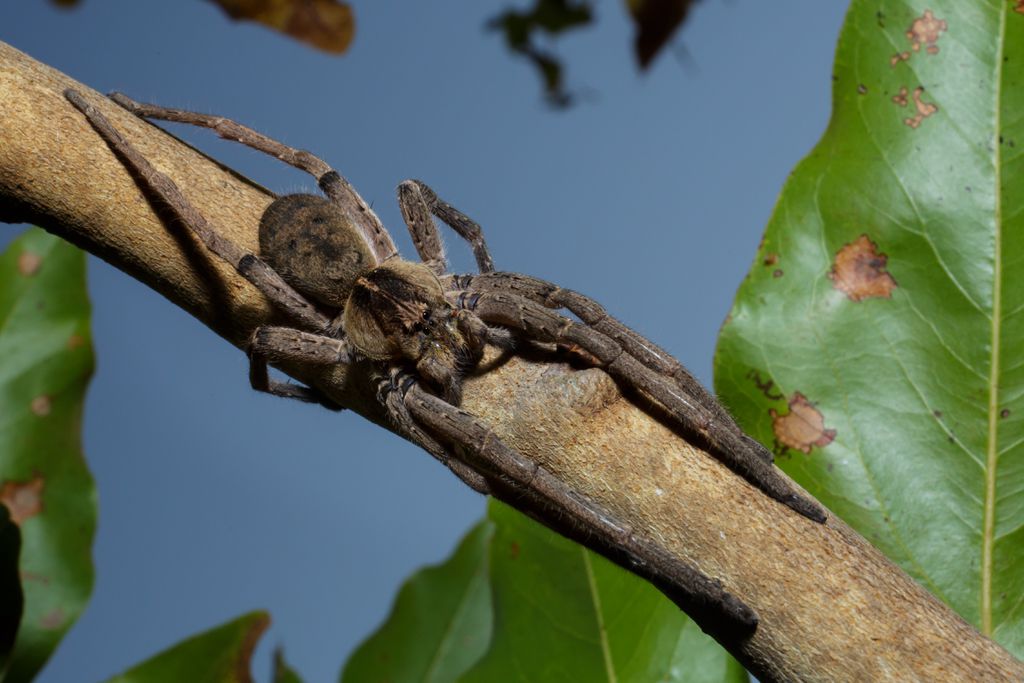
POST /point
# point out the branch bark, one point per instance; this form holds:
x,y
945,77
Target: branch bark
x,y
832,607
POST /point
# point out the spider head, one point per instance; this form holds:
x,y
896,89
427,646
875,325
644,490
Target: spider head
x,y
398,312
314,246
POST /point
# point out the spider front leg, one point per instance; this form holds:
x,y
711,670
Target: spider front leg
x,y
418,202
543,325
526,485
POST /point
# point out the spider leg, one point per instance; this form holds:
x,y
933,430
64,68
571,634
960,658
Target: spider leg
x,y
262,276
333,184
730,448
249,266
524,483
425,236
417,202
595,316
287,344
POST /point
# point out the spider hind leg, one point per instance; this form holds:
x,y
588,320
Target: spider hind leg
x,y
728,444
526,485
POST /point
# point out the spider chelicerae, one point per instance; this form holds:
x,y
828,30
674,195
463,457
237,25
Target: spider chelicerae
x,y
330,265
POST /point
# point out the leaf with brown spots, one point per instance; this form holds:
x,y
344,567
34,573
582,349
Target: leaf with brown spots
x,y
858,271
328,25
45,363
220,655
803,427
916,381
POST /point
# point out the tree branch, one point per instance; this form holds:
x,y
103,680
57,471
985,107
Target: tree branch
x,y
831,606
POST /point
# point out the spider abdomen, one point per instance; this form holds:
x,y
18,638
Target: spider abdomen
x,y
314,246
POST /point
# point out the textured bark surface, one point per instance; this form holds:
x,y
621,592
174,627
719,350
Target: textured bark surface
x,y
832,608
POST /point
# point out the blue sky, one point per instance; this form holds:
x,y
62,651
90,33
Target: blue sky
x,y
650,196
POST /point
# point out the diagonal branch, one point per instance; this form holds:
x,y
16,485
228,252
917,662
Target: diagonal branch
x,y
831,606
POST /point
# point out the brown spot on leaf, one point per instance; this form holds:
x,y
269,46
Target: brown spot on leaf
x,y
766,387
28,263
924,109
24,499
926,30
1004,413
803,427
1019,7
53,619
41,405
859,271
899,57
901,97
513,550
777,273
325,24
771,259
75,341
862,89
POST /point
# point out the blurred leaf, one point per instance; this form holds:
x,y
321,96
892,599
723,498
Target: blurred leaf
x,y
550,17
12,601
877,338
656,21
220,655
47,360
562,613
325,24
282,672
440,624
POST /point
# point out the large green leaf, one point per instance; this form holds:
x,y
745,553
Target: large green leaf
x,y
46,362
877,338
220,655
440,624
562,613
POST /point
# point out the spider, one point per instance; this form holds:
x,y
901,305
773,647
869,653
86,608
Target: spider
x,y
331,266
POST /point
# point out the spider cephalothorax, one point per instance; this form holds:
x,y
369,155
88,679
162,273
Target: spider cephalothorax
x,y
423,329
392,312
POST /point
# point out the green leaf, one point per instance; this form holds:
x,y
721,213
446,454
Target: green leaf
x,y
282,672
562,613
440,624
47,360
877,338
220,655
13,600
550,18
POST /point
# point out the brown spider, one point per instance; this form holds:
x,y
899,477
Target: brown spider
x,y
424,329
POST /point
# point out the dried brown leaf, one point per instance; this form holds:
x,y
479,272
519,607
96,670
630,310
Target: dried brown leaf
x,y
328,25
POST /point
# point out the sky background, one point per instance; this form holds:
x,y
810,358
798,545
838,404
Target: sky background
x,y
650,196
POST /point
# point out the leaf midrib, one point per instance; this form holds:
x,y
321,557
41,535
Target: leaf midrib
x,y
992,455
601,628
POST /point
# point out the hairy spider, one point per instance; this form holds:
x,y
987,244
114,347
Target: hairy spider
x,y
424,329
